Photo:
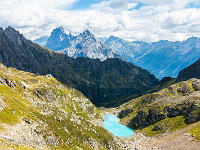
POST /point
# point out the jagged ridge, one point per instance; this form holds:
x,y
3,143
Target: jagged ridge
x,y
83,45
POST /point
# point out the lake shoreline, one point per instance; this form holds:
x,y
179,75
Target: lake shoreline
x,y
111,123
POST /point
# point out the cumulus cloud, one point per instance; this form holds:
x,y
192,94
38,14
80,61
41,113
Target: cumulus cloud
x,y
169,19
111,6
44,3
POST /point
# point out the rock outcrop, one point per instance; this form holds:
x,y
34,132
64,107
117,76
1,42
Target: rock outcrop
x,y
143,119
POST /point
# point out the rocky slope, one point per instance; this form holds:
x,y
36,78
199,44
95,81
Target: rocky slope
x,y
167,110
192,71
162,58
101,82
39,112
83,45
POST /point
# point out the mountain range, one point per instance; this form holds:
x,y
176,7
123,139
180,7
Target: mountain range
x,y
44,109
102,82
162,58
82,45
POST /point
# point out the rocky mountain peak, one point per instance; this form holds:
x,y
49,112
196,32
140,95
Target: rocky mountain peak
x,y
112,37
87,33
14,35
59,39
191,40
11,31
59,30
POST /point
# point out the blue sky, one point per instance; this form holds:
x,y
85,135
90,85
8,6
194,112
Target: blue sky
x,y
84,4
193,5
87,4
143,20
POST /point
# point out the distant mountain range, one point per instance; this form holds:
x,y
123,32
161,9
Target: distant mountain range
x,y
162,58
102,82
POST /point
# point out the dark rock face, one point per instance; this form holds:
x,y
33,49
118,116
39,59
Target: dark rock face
x,y
144,119
101,82
196,85
152,116
183,89
5,81
165,79
191,118
125,112
156,128
192,71
173,112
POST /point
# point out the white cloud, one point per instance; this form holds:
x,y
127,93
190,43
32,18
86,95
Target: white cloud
x,y
158,20
111,6
44,3
56,3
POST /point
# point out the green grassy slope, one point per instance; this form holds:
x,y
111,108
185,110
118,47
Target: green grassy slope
x,y
40,112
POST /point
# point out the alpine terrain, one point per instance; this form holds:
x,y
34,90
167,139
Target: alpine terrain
x,y
104,83
162,58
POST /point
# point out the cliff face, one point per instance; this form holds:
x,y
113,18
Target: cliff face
x,y
192,71
101,82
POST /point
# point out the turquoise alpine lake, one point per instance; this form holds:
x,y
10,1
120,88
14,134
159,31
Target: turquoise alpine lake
x,y
111,123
